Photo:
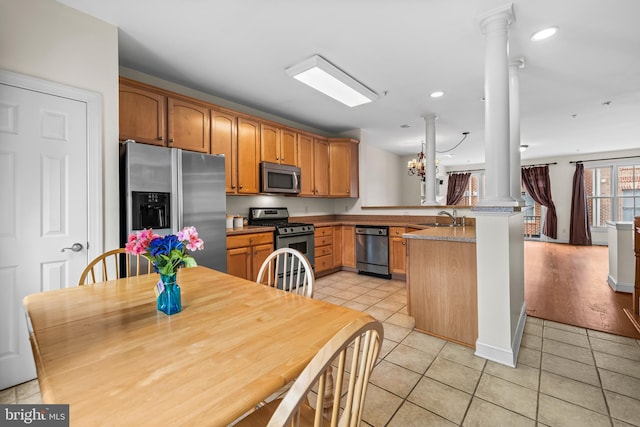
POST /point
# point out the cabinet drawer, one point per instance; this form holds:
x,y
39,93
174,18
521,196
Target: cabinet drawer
x,y
243,240
323,251
323,263
323,232
323,241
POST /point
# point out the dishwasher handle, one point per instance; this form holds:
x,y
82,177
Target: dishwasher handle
x,y
372,230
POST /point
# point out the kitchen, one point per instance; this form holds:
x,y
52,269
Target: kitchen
x,y
78,62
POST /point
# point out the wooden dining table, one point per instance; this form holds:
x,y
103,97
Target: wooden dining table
x,y
106,351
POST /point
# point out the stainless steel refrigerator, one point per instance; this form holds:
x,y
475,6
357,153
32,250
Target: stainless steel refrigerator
x,y
169,188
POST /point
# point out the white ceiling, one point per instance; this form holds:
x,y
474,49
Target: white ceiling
x,y
238,50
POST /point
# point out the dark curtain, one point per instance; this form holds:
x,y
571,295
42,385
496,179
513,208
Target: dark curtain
x,y
536,181
580,231
456,186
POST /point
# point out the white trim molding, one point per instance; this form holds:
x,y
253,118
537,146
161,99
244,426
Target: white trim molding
x,y
505,356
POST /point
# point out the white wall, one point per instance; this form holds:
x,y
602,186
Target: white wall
x,y
45,39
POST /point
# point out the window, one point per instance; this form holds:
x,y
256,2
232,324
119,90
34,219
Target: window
x,y
613,193
628,203
472,194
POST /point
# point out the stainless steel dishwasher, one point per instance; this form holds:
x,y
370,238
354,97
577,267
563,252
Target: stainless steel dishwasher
x,y
372,250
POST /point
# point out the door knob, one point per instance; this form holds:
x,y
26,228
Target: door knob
x,y
76,247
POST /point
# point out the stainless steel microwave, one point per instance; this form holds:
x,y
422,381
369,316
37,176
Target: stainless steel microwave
x,y
276,178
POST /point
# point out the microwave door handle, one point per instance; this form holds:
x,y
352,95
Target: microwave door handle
x,y
296,183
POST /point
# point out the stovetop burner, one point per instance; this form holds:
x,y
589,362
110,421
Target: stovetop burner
x,y
278,218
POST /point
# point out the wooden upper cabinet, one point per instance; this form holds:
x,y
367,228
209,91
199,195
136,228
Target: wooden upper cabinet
x,y
142,115
343,167
305,163
288,147
248,162
269,143
320,167
224,133
277,145
189,127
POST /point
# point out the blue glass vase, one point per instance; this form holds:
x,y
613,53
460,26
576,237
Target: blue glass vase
x,y
169,300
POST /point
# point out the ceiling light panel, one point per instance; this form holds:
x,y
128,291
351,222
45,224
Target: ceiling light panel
x,y
544,34
325,77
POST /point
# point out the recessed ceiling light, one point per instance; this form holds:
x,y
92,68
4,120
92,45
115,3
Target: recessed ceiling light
x,y
436,94
544,34
523,147
448,155
405,126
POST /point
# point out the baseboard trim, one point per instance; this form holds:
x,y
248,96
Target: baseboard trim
x,y
505,356
620,286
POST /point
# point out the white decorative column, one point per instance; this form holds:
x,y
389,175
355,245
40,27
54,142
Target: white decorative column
x,y
499,222
514,129
430,152
495,24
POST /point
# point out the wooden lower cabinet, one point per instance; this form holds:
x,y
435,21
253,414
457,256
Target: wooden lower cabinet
x,y
323,249
442,289
349,246
337,246
247,252
397,251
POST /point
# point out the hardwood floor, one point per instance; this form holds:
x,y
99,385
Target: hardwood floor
x,y
568,284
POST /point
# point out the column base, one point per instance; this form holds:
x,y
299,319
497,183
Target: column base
x,y
505,356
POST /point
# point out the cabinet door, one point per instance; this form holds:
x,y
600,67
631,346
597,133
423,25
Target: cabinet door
x,y
239,262
397,250
337,246
188,126
223,141
305,163
260,254
269,143
142,115
288,147
248,162
321,167
343,168
349,246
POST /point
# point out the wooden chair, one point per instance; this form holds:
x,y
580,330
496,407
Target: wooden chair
x,y
108,265
287,269
352,352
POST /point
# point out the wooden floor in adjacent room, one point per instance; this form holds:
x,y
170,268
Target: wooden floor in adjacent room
x,y
568,284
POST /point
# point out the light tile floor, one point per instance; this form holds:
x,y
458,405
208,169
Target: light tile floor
x,y
565,376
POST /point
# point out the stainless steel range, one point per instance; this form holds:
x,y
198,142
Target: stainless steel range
x,y
287,234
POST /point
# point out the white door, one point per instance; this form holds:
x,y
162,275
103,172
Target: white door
x,y
43,209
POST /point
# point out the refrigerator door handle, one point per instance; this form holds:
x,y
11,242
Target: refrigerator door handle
x,y
176,160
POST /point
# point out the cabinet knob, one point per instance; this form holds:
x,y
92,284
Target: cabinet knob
x,y
160,138
240,185
277,158
171,140
233,186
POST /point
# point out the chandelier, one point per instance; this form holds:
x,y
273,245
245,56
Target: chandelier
x,y
418,166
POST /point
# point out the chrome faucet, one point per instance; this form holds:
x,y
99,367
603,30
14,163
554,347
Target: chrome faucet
x,y
454,220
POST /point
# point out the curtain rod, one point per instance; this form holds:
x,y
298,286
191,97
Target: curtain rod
x,y
463,171
539,164
610,158
523,166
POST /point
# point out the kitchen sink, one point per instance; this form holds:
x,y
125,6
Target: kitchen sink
x,y
439,224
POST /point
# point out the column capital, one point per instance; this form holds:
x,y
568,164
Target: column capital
x,y
430,116
503,13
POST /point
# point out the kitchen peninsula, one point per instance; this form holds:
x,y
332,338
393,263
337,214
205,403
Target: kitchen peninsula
x,y
442,282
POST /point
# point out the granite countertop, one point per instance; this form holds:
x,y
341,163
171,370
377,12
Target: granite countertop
x,y
454,234
248,229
